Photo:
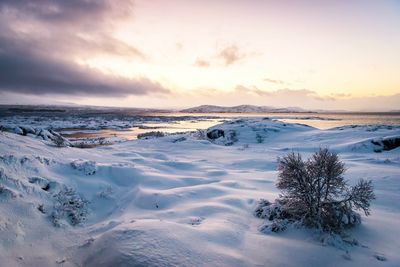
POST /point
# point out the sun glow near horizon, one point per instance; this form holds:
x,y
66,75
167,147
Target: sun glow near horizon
x,y
327,57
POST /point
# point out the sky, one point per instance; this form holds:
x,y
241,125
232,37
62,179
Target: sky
x,y
335,55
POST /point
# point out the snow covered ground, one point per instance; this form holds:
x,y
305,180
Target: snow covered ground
x,y
185,200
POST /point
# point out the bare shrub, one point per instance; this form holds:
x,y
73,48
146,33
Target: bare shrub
x,y
200,134
232,136
58,140
70,206
259,138
6,193
315,193
148,135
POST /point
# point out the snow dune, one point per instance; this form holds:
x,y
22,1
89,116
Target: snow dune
x,y
187,201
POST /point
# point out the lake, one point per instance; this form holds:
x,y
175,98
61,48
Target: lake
x,y
185,122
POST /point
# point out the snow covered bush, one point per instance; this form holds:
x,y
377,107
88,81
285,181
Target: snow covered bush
x,y
58,140
259,138
274,213
70,206
88,167
232,136
315,193
6,193
106,192
200,134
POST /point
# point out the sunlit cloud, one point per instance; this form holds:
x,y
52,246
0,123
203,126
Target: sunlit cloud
x,y
274,81
202,63
341,95
286,92
230,55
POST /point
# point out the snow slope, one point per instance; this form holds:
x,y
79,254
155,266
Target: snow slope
x,y
188,201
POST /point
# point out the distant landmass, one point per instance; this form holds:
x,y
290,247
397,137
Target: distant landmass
x,y
243,109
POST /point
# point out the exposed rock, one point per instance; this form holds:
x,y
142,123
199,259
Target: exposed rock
x,y
380,257
215,134
17,130
386,144
27,130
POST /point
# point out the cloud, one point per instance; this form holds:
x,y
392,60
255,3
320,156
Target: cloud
x,y
179,46
25,71
251,91
274,81
286,92
341,95
303,98
83,13
202,63
40,42
230,55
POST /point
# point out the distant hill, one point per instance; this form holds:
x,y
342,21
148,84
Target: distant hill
x,y
242,109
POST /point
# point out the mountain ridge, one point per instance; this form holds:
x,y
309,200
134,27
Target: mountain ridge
x,y
243,109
